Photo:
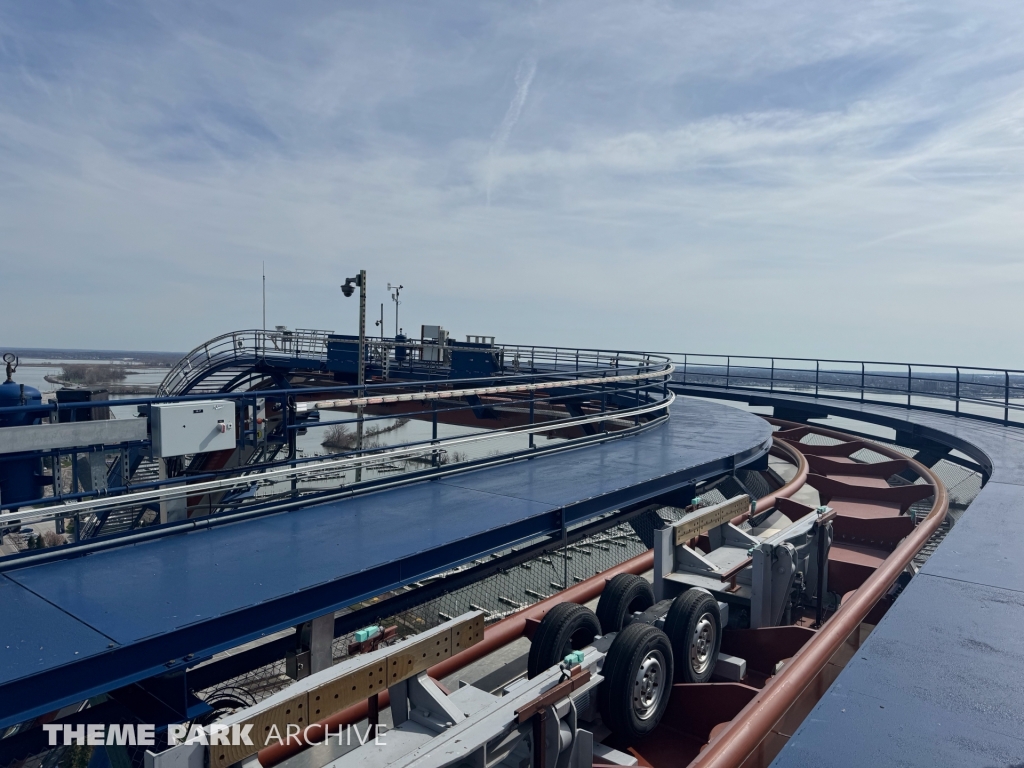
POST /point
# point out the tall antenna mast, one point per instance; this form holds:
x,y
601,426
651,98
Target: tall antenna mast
x,y
264,295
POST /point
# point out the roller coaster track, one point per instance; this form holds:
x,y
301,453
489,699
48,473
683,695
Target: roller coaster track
x,y
876,537
875,541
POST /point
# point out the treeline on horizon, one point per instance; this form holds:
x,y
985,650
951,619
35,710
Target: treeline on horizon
x,y
93,374
149,359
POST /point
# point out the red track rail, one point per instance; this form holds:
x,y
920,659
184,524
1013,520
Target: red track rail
x,y
752,737
512,627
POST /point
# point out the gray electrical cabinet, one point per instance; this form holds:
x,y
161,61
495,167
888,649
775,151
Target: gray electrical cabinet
x,y
199,427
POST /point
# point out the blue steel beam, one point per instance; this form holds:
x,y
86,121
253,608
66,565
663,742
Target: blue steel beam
x,y
82,626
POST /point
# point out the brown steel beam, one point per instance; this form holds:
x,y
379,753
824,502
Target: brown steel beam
x,y
903,495
824,465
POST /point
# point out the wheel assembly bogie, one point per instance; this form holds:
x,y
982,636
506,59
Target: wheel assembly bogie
x,y
623,596
565,628
637,685
694,625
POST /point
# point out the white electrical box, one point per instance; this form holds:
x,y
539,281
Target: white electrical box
x,y
197,427
433,339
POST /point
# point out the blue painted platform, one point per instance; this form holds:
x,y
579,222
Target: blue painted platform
x,y
940,681
76,627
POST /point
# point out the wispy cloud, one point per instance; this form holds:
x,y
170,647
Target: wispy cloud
x,y
576,172
524,76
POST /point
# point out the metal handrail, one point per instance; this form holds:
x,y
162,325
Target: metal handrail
x,y
1001,389
647,379
309,470
311,345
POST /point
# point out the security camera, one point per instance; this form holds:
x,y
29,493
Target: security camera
x,y
350,286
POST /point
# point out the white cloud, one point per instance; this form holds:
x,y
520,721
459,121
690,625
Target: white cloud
x,y
524,76
762,177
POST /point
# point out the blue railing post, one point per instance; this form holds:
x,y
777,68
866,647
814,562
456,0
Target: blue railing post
x,y
958,391
685,360
862,382
533,395
604,401
909,376
636,416
728,366
817,375
771,380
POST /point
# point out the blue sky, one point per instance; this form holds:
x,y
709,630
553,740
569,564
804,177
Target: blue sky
x,y
788,178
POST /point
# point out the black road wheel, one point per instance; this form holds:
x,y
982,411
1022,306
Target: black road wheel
x,y
623,595
565,628
637,681
694,625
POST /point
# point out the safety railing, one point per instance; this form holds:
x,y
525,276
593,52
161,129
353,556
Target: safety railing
x,y
991,394
608,398
308,349
246,346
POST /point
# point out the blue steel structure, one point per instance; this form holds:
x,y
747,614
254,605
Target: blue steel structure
x,y
222,365
21,474
199,589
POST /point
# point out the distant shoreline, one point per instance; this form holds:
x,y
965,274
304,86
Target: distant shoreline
x,y
111,387
147,358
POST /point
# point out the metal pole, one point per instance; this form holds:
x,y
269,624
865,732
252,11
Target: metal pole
x,y
1006,399
958,391
728,366
565,549
433,430
532,396
910,375
771,381
817,374
361,371
288,410
862,382
58,479
636,416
